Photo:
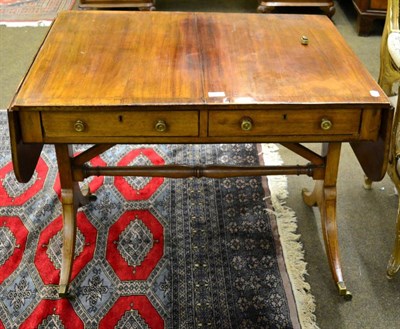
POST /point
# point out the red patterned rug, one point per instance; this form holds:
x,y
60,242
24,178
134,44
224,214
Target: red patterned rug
x,y
151,252
31,12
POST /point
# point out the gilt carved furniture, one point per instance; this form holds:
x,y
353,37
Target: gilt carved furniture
x,y
394,173
388,77
389,72
163,77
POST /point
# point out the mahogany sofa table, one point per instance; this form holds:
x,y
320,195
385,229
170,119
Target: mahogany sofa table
x,y
107,78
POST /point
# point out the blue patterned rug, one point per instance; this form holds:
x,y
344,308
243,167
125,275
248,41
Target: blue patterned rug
x,y
151,252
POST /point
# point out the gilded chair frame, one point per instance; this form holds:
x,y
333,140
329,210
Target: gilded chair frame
x,y
394,173
389,72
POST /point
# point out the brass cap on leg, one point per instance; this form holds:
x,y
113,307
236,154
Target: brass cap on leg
x,y
343,291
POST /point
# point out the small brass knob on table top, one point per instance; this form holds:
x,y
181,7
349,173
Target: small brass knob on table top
x,y
161,126
326,124
304,40
79,126
246,124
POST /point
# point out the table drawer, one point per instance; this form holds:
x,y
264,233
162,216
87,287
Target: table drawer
x,y
121,124
278,122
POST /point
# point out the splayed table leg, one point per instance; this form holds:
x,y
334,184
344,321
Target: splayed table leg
x,y
324,196
71,198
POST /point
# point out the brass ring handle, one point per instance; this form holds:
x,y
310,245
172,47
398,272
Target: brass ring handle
x,y
79,126
326,124
161,126
246,124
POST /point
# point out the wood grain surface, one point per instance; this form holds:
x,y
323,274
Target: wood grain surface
x,y
119,58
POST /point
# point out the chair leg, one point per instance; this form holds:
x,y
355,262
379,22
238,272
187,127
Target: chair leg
x,y
394,262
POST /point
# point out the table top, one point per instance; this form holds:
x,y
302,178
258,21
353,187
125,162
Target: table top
x,y
101,58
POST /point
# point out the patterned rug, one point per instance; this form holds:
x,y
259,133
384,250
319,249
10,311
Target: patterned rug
x,y
152,252
31,12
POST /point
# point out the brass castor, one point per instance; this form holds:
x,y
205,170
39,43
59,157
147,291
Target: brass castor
x,y
343,291
64,292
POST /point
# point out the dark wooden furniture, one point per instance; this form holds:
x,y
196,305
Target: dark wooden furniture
x,y
102,4
129,77
367,12
327,6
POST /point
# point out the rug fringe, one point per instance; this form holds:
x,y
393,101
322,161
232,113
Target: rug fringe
x,y
292,247
43,23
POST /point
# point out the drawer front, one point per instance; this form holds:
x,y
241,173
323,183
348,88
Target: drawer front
x,y
284,123
121,124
